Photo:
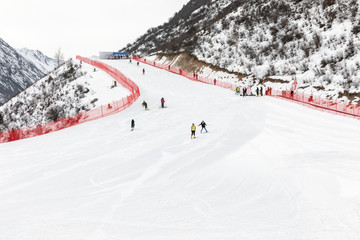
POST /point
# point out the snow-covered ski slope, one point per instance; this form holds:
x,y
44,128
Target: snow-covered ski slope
x,y
267,169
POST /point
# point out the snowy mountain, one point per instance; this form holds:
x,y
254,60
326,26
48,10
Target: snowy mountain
x,y
41,61
16,72
318,40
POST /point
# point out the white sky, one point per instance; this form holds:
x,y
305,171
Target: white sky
x,y
82,27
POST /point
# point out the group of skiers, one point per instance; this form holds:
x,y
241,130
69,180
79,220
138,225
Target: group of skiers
x,y
193,128
244,91
259,91
162,101
145,105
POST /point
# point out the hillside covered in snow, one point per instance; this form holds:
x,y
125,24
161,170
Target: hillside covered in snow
x,y
71,89
317,40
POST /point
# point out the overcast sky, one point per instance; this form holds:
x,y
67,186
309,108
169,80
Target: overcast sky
x,y
82,27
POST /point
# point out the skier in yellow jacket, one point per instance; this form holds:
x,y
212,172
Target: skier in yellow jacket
x,y
193,130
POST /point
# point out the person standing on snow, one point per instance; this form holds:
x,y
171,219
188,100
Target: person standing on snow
x,y
162,103
257,91
237,90
203,126
144,104
143,71
132,124
261,91
193,130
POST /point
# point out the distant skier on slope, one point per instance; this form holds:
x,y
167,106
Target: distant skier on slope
x,y
193,130
143,71
162,103
144,104
138,63
203,126
237,91
132,124
257,91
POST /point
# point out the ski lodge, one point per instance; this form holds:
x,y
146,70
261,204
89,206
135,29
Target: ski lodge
x,y
114,55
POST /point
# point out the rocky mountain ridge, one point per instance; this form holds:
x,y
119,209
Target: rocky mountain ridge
x,y
16,72
41,61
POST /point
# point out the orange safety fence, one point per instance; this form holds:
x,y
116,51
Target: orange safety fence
x,y
99,112
322,104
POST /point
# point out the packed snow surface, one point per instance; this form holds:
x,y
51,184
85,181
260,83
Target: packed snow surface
x,y
267,169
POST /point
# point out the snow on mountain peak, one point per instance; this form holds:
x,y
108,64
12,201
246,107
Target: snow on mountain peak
x,y
41,61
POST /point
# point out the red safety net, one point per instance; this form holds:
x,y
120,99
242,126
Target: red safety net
x,y
318,103
188,75
102,111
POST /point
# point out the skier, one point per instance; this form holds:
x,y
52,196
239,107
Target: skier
x,y
193,130
130,61
144,104
237,90
244,91
257,91
137,63
214,81
132,124
203,126
261,91
162,103
143,71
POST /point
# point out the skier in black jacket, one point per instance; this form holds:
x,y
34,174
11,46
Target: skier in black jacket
x,y
132,124
203,126
144,104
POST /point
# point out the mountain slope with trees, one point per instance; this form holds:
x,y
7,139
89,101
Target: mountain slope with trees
x,y
318,40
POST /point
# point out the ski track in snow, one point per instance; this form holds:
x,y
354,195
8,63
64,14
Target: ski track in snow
x,y
267,169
